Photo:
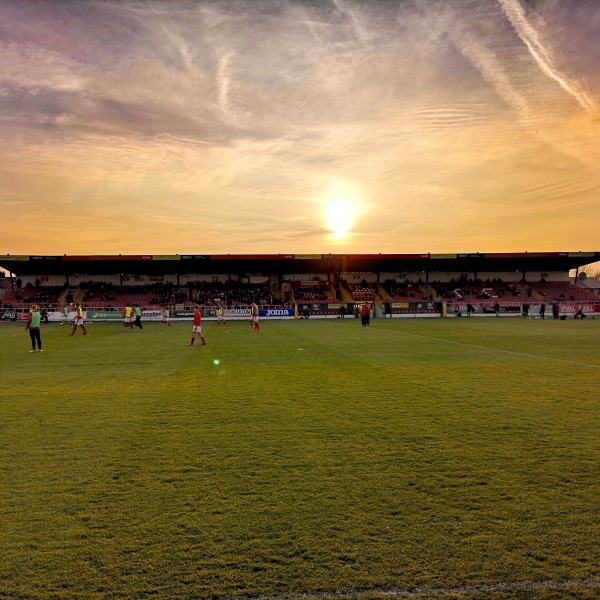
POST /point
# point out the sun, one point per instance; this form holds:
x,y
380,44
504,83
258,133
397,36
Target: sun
x,y
340,214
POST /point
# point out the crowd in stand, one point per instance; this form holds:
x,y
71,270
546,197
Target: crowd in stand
x,y
477,289
563,291
231,293
361,292
234,293
28,294
310,294
405,290
108,294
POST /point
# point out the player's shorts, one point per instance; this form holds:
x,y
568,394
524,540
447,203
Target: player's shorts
x,y
78,321
165,319
255,318
197,329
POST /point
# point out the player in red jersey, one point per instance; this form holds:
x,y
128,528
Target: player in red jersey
x,y
164,311
254,313
78,320
197,328
365,314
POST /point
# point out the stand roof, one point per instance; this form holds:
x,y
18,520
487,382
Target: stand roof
x,y
266,264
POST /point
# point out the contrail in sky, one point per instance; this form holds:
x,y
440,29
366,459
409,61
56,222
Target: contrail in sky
x,y
492,70
223,83
344,9
543,55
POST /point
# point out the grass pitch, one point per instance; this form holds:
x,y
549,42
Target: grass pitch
x,y
312,459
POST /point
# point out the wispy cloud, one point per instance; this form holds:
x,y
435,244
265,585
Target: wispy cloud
x,y
237,119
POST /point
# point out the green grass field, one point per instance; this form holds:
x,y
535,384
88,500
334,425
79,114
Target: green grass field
x,y
313,459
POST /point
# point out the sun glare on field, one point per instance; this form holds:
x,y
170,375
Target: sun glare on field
x,y
339,216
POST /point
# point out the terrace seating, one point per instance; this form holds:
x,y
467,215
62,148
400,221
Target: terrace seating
x,y
98,293
469,291
313,297
29,294
361,293
402,292
563,291
506,292
231,294
310,293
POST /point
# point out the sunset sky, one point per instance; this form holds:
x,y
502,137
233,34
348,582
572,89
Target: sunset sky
x,y
397,126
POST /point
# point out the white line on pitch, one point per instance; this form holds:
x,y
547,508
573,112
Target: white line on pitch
x,y
425,337
417,592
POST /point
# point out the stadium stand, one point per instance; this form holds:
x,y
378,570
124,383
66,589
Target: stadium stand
x,y
101,293
476,290
406,290
106,294
561,291
321,281
361,292
308,292
231,294
48,296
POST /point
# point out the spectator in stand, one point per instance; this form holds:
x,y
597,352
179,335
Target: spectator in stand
x,y
33,326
